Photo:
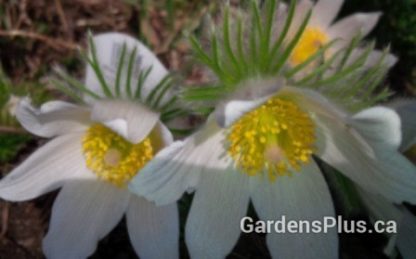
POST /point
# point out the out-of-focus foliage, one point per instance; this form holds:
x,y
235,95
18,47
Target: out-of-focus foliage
x,y
14,138
10,144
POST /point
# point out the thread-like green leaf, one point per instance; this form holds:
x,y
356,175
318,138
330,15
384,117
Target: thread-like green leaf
x,y
76,84
66,90
320,53
140,82
120,67
277,45
130,72
289,48
94,63
203,93
162,91
162,84
227,43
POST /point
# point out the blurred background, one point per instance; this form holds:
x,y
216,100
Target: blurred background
x,y
36,36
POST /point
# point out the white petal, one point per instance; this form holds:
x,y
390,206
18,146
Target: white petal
x,y
251,94
376,169
53,118
325,11
109,47
407,110
177,168
349,27
213,224
373,58
165,133
279,20
83,213
228,113
379,125
406,236
153,231
119,126
312,101
380,170
379,207
140,119
47,169
389,60
302,8
302,196
162,135
161,180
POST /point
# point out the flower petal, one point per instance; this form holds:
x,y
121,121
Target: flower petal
x,y
177,168
109,47
296,198
140,120
302,8
389,60
325,11
379,207
407,110
251,95
373,59
375,168
229,112
213,224
161,137
406,236
47,169
83,213
379,125
154,231
349,27
53,118
378,169
118,126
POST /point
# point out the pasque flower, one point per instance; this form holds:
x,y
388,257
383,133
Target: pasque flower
x,y
259,144
95,150
321,30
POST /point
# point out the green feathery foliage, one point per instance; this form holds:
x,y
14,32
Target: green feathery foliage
x,y
78,90
246,46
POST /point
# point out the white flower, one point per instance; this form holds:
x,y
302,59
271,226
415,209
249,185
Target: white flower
x,y
94,153
260,149
321,30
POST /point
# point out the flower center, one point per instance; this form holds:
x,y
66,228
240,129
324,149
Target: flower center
x,y
276,138
309,43
111,157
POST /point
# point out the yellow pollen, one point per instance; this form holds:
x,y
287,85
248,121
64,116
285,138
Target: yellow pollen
x,y
113,158
312,39
277,138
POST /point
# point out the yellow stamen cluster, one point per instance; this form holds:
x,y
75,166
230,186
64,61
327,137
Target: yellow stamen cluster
x,y
113,158
276,138
312,39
